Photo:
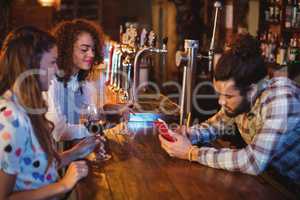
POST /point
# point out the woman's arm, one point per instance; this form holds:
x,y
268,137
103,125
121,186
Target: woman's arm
x,y
80,150
7,184
75,172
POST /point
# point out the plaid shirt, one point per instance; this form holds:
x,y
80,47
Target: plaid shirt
x,y
271,130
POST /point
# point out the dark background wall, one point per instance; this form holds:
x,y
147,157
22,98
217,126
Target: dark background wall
x,y
175,19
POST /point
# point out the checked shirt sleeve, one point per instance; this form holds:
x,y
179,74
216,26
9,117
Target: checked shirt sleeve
x,y
279,116
215,127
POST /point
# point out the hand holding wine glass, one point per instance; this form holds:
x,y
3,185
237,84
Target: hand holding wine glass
x,y
96,122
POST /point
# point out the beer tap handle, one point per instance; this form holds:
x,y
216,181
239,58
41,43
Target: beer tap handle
x,y
121,33
132,36
165,42
125,37
211,52
143,38
181,58
151,39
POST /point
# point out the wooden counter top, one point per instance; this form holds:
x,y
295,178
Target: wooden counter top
x,y
140,169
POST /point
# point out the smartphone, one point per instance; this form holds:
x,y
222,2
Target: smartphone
x,y
163,130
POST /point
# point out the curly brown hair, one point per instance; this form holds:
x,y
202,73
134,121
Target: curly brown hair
x,y
66,34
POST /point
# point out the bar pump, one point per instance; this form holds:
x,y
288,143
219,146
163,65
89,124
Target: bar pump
x,y
188,59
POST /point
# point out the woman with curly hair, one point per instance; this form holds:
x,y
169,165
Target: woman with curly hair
x,y
28,161
80,44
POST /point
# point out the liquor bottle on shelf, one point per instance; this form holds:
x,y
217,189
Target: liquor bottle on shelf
x,y
280,41
295,12
267,13
294,52
271,10
277,9
298,16
272,49
288,14
276,51
263,44
297,55
281,57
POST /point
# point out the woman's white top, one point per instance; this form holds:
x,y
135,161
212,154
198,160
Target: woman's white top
x,y
66,104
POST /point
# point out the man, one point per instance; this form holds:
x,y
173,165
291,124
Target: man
x,y
266,112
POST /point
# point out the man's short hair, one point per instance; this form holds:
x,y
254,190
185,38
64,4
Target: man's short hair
x,y
243,63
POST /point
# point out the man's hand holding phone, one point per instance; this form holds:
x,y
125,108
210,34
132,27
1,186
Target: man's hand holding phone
x,y
163,130
175,144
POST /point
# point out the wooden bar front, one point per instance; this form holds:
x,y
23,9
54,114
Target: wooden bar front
x,y
140,169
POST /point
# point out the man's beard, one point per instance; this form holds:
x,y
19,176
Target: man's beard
x,y
243,107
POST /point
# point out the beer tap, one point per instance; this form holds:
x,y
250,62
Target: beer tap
x,y
150,49
115,66
188,59
124,91
128,51
115,60
211,51
143,38
109,63
112,68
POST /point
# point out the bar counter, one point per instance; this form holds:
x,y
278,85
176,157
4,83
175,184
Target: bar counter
x,y
140,169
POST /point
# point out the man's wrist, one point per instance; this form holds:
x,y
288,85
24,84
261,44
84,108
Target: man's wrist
x,y
193,153
190,134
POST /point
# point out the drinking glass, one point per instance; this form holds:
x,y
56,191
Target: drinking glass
x,y
96,124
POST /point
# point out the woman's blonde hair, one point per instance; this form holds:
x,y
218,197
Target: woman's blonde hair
x,y
22,51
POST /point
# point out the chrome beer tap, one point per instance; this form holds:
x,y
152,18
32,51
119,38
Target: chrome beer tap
x,y
112,68
128,52
211,51
150,49
115,66
109,62
126,75
188,59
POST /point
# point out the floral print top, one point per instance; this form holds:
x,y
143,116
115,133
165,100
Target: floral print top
x,y
20,152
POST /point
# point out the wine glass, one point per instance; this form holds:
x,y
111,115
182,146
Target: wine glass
x,y
125,119
118,114
96,124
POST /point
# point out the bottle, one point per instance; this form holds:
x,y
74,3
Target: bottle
x,y
277,11
288,14
267,47
121,32
263,44
295,12
267,13
272,11
272,49
298,16
294,52
281,54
